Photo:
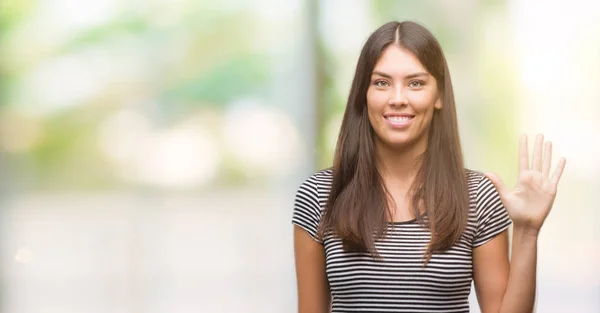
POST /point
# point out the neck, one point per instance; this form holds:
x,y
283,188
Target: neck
x,y
399,166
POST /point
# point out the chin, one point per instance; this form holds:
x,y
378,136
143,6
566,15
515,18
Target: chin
x,y
400,141
397,142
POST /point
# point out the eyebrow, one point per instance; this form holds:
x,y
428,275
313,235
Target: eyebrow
x,y
388,76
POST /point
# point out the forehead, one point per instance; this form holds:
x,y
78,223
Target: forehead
x,y
397,60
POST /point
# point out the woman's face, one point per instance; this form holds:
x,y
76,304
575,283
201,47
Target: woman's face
x,y
401,99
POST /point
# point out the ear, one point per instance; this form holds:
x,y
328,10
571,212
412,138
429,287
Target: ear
x,y
438,103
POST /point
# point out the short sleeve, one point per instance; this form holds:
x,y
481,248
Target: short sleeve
x,y
492,217
307,210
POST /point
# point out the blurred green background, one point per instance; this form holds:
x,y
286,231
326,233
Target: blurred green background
x,y
150,150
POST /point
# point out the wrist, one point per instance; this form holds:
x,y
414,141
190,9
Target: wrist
x,y
526,231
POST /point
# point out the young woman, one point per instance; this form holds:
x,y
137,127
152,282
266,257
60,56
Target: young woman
x,y
398,224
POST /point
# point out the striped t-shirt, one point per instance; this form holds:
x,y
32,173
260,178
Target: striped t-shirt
x,y
399,282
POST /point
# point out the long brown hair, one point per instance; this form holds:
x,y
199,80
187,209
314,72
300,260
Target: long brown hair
x,y
357,208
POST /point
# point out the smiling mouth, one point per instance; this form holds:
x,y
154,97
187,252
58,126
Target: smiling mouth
x,y
399,121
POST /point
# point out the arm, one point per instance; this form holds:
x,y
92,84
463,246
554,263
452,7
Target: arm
x,y
503,287
491,272
520,293
528,205
313,288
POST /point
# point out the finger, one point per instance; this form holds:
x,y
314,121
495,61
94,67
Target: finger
x,y
523,154
558,172
497,181
537,153
547,159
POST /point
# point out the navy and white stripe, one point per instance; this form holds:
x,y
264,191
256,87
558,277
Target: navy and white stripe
x,y
399,282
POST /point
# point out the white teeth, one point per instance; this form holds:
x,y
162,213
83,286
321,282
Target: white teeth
x,y
398,118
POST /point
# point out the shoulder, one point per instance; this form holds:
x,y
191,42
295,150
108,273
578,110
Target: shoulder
x,y
318,182
316,187
482,192
310,198
480,184
476,180
324,176
473,176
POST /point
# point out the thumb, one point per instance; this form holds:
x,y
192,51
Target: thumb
x,y
497,181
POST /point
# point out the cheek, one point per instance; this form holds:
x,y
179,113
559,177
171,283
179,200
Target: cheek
x,y
375,102
423,101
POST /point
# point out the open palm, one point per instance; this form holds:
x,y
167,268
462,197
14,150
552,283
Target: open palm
x,y
529,203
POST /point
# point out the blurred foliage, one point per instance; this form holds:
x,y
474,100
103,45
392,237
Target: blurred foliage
x,y
121,26
244,74
217,65
13,12
69,153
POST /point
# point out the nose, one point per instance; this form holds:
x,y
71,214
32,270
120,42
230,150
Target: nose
x,y
397,96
